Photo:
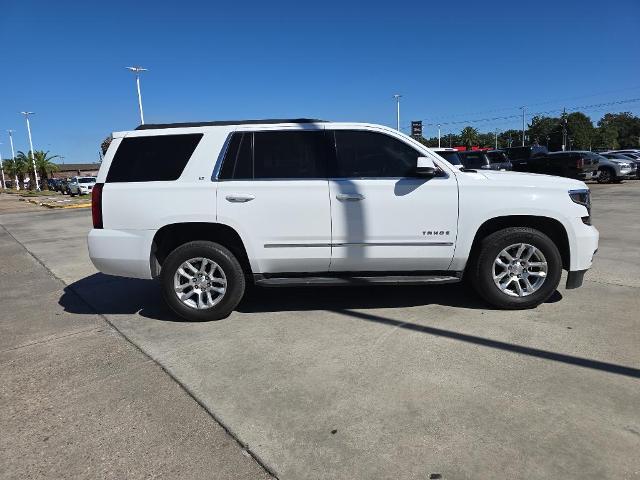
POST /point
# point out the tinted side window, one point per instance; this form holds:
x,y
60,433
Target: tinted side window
x,y
290,154
146,159
238,160
372,154
278,154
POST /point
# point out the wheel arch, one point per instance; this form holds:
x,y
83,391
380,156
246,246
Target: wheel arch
x,y
171,236
549,226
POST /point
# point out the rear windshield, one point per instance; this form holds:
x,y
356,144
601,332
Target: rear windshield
x,y
452,157
474,160
157,158
87,180
497,157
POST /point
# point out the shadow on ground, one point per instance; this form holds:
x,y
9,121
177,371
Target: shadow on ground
x,y
114,295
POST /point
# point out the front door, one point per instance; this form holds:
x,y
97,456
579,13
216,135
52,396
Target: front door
x,y
273,191
384,218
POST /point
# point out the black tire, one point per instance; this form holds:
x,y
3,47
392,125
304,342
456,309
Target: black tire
x,y
225,260
606,175
481,271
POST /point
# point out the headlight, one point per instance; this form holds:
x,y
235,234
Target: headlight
x,y
582,197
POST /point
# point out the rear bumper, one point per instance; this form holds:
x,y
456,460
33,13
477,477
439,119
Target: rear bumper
x,y
125,253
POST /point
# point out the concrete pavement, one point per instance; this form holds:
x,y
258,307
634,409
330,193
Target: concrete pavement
x,y
402,382
77,400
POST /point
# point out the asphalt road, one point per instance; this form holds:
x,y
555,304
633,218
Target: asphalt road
x,y
374,383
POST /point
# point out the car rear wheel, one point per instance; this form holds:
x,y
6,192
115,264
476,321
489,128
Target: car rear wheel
x,y
517,268
202,281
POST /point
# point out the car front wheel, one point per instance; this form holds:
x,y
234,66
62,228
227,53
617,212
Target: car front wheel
x,y
517,268
202,281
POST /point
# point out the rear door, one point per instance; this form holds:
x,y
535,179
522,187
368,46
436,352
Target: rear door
x,y
273,190
384,218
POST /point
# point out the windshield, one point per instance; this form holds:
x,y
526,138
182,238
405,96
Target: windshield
x,y
452,157
87,180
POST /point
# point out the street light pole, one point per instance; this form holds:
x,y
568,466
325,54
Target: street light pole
x,y
523,114
13,156
33,156
137,71
438,135
4,183
397,97
496,138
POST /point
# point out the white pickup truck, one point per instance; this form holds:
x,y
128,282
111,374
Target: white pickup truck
x,y
208,207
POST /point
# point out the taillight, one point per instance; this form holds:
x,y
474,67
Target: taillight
x,y
580,163
96,205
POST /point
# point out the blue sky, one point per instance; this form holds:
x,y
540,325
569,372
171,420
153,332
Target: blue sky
x,y
451,61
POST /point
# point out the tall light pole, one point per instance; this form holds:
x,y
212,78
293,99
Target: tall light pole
x,y
438,135
4,183
138,70
13,156
496,138
523,114
33,156
397,97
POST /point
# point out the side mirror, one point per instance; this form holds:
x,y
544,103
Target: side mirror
x,y
425,167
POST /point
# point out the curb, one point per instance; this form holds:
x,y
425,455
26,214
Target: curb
x,y
52,205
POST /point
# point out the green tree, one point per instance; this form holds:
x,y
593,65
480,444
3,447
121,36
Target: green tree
x,y
44,166
18,167
580,130
627,127
469,136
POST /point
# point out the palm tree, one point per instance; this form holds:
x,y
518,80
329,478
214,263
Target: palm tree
x,y
44,165
23,162
469,136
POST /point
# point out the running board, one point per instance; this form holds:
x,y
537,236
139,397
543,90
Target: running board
x,y
355,281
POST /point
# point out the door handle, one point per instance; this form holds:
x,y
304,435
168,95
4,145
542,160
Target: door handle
x,y
349,197
240,198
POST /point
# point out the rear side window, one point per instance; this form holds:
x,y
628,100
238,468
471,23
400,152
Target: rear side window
x,y
362,154
278,154
157,158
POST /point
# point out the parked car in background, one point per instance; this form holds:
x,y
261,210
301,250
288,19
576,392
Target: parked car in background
x,y
614,170
631,157
573,164
520,156
81,185
451,155
64,186
53,184
487,160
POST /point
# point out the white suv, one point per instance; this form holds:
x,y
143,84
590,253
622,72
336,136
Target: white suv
x,y
81,185
208,207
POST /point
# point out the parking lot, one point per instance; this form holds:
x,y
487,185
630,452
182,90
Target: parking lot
x,y
99,379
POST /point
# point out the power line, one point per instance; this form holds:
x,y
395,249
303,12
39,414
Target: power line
x,y
533,114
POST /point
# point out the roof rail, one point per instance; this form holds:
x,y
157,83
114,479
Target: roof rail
x,y
221,123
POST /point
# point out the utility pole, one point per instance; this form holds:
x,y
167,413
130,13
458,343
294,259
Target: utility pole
x,y
13,156
564,129
496,138
138,70
450,140
397,97
438,135
523,124
33,156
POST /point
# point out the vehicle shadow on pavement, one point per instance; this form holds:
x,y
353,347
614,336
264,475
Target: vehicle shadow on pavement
x,y
111,295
